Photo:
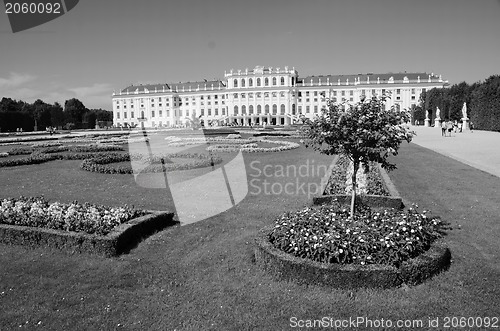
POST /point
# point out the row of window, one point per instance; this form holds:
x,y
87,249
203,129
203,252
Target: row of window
x,y
258,82
258,95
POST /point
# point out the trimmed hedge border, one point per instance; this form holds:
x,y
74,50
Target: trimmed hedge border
x,y
120,240
284,266
375,201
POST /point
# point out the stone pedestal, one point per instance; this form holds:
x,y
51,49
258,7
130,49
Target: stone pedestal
x,y
465,124
427,122
437,122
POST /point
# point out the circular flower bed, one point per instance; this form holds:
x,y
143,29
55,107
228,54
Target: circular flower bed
x,y
103,164
89,218
328,234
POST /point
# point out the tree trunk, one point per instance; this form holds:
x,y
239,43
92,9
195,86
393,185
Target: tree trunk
x,y
355,166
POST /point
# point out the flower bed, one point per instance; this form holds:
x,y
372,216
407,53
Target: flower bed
x,y
56,153
82,228
285,145
337,181
375,249
38,212
102,163
380,190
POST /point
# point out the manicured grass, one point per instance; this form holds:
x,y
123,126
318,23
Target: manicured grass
x,y
202,276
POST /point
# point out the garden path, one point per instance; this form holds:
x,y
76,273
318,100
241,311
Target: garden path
x,y
479,149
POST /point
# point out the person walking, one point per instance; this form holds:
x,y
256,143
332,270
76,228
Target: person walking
x,y
443,128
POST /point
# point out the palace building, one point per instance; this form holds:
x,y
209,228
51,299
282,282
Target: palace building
x,y
274,96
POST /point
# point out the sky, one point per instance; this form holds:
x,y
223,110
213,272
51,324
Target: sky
x,y
104,46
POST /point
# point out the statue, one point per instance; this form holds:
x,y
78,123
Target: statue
x,y
438,112
427,114
464,111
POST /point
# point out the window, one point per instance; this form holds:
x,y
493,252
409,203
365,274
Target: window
x,y
243,109
274,81
235,110
282,80
307,109
152,113
125,114
351,92
258,95
243,95
124,106
282,109
250,95
266,109
161,113
335,93
235,83
383,91
202,112
315,93
187,112
266,95
118,107
259,109
250,82
315,99
235,95
343,93
282,94
307,93
168,113
315,109
398,91
413,97
258,81
307,100
266,81
412,91
132,105
242,82
208,97
300,109
210,112
180,112
275,109
223,111
216,112
132,114
275,94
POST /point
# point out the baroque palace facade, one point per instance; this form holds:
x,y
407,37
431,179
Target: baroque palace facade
x,y
274,96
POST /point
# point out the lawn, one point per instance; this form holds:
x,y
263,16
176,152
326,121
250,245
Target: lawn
x,y
202,276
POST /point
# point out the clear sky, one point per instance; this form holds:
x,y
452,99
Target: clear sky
x,y
105,45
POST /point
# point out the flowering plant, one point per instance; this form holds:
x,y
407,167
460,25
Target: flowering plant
x,y
89,218
328,234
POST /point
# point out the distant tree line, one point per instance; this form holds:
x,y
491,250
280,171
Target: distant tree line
x,y
482,100
16,115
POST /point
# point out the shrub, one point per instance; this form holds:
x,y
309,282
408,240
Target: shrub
x,y
328,234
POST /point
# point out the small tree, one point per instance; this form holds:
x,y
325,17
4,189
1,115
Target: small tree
x,y
364,132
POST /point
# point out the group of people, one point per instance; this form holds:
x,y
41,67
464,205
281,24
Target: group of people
x,y
449,126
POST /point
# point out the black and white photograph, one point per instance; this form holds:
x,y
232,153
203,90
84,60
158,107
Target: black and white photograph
x,y
256,165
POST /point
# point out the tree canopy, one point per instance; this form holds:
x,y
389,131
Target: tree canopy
x,y
364,132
